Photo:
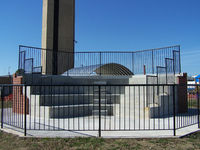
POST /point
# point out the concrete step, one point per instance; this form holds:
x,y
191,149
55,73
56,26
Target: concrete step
x,y
103,112
93,106
109,100
106,109
69,111
75,99
69,90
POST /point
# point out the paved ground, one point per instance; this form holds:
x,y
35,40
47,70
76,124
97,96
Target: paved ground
x,y
126,127
104,134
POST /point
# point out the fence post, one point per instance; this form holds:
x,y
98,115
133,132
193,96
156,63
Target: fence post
x,y
198,105
19,67
174,110
25,99
2,93
133,63
179,59
174,69
99,111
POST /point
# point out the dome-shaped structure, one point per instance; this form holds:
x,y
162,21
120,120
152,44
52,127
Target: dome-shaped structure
x,y
106,69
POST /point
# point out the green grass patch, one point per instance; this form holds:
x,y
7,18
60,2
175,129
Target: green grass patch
x,y
9,142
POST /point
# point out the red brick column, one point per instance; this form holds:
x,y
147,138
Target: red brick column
x,y
18,96
182,94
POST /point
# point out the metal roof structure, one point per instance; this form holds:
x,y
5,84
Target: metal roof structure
x,y
95,70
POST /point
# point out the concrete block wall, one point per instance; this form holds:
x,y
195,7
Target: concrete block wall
x,y
37,111
132,103
151,101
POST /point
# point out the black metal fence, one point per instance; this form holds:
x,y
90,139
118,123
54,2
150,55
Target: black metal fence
x,y
12,106
100,107
32,60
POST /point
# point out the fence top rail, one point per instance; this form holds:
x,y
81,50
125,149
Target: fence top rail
x,y
99,85
193,84
109,85
137,51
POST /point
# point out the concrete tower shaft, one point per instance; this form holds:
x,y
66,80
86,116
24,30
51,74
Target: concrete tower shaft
x,y
58,33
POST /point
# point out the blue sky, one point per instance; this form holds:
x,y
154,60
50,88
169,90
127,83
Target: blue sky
x,y
108,25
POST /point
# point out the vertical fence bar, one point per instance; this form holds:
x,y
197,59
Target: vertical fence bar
x,y
166,65
198,105
99,111
174,110
24,65
100,62
19,58
2,93
152,63
25,110
133,63
174,66
179,58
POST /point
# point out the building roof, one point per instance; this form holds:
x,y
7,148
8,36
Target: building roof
x,y
5,76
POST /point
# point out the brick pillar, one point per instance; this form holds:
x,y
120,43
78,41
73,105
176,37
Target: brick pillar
x,y
18,96
182,94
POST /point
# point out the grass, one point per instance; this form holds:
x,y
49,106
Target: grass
x,y
193,103
9,142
